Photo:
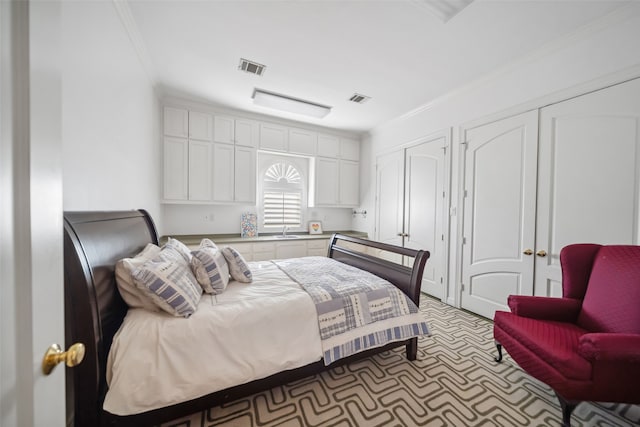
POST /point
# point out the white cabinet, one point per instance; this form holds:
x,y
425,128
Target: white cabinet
x,y
326,182
337,183
244,175
264,251
317,247
349,149
200,156
247,132
176,168
328,146
234,174
274,137
223,172
349,183
200,126
302,141
176,122
291,249
234,130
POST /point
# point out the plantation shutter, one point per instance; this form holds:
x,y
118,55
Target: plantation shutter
x,y
282,208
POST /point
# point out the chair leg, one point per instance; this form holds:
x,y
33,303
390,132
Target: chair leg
x,y
499,357
567,409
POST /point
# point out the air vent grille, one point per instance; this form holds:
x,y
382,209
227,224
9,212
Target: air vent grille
x,y
359,99
251,67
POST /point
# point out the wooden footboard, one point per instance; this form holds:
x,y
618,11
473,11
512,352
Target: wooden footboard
x,y
94,310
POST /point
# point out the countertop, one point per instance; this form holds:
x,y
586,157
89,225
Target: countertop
x,y
194,239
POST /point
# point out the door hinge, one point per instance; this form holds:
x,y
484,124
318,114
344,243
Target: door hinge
x,y
464,240
441,280
462,287
466,193
442,237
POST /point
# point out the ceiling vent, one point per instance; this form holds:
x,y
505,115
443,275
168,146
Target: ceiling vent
x,y
359,99
251,67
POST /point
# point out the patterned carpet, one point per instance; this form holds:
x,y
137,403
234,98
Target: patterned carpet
x,y
454,382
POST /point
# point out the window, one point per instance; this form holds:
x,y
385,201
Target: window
x,y
282,191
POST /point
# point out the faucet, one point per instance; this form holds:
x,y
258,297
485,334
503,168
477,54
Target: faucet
x,y
284,231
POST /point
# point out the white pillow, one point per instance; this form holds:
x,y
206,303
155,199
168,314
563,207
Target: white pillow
x,y
210,268
180,247
237,265
168,281
128,290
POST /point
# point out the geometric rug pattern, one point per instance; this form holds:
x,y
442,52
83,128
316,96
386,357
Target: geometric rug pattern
x,y
454,382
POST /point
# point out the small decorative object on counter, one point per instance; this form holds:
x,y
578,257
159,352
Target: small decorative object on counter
x,y
315,227
249,225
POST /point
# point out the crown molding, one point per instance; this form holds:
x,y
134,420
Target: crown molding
x,y
606,21
129,23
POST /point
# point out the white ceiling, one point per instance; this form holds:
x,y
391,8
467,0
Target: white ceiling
x,y
398,52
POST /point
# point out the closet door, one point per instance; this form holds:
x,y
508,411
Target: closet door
x,y
589,176
390,198
499,212
423,209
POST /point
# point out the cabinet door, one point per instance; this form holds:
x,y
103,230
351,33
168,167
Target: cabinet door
x,y
328,146
247,133
223,171
176,122
589,186
176,166
349,149
224,129
499,212
302,141
326,182
200,126
349,187
273,137
200,178
291,249
264,251
245,175
317,247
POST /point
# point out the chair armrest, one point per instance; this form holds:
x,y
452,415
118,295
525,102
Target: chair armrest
x,y
545,308
610,347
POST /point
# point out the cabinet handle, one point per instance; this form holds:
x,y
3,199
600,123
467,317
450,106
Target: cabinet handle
x,y
403,235
541,254
528,252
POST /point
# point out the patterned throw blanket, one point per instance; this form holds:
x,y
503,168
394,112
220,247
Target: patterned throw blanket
x,y
347,298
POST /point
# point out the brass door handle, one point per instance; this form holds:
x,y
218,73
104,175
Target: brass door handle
x,y
541,254
528,252
55,355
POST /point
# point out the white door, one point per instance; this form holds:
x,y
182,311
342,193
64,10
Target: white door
x,y
390,198
499,212
326,184
31,265
245,175
424,209
223,172
588,190
200,170
349,191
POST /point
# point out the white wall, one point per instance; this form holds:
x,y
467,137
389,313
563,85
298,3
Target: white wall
x,y
605,52
196,219
110,115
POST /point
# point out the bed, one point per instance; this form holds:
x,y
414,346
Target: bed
x,y
95,311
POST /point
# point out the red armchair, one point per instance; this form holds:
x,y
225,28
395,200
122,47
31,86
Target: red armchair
x,y
585,345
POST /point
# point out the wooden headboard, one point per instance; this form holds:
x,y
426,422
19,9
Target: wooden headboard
x,y
94,310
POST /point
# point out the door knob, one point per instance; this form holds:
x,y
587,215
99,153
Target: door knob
x,y
403,235
541,254
55,355
528,252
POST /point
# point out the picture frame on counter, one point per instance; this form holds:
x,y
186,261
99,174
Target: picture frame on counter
x,y
315,227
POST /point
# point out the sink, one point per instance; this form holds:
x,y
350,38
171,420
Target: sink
x,y
288,236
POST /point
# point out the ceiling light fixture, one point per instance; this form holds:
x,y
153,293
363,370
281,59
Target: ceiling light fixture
x,y
289,104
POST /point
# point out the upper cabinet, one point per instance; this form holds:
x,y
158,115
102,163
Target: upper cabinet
x,y
176,122
328,146
349,149
233,130
274,137
302,141
211,158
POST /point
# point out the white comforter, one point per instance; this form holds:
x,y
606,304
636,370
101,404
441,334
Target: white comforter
x,y
158,360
